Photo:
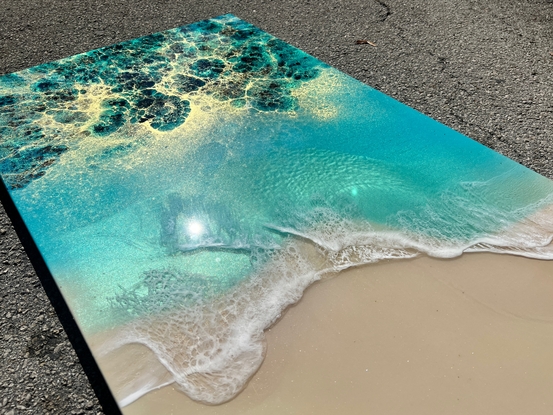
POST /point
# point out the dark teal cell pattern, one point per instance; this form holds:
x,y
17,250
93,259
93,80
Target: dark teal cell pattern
x,y
184,188
227,58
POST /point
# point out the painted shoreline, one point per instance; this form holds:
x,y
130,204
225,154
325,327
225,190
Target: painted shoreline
x,y
426,219
389,67
491,281
471,334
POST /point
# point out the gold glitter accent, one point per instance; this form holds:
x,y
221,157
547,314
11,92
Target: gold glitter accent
x,y
318,95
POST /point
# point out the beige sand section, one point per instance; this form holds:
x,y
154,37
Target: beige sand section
x,y
472,335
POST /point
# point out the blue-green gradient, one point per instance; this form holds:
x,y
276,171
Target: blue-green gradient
x,y
114,212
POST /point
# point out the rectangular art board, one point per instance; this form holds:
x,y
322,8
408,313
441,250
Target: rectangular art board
x,y
185,187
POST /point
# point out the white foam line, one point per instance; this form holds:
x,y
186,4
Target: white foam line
x,y
213,348
127,400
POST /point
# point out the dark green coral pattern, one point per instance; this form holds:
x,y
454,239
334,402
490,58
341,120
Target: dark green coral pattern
x,y
149,80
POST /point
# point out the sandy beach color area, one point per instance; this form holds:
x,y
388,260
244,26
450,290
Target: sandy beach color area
x,y
471,335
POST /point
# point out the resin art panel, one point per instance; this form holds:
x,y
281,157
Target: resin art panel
x,y
186,187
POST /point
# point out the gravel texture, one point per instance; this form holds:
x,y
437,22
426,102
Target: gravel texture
x,y
482,67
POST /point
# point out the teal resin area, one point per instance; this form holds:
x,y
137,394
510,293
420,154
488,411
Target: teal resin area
x,y
185,187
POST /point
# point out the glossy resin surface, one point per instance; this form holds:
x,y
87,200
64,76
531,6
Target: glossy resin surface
x,y
185,187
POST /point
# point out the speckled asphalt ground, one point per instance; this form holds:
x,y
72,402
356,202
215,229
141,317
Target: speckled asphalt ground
x,y
482,67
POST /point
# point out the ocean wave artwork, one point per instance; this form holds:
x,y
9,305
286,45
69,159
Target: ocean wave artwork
x,y
184,188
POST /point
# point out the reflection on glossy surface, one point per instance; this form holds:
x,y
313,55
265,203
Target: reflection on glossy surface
x,y
185,187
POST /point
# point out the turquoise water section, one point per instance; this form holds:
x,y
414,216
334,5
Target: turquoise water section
x,y
220,56
187,186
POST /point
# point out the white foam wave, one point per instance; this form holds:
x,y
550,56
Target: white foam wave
x,y
213,347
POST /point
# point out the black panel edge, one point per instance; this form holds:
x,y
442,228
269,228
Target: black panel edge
x,y
86,359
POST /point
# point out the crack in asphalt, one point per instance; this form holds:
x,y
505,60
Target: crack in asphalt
x,y
386,8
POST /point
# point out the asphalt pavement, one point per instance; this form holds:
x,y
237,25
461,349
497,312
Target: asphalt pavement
x,y
482,67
